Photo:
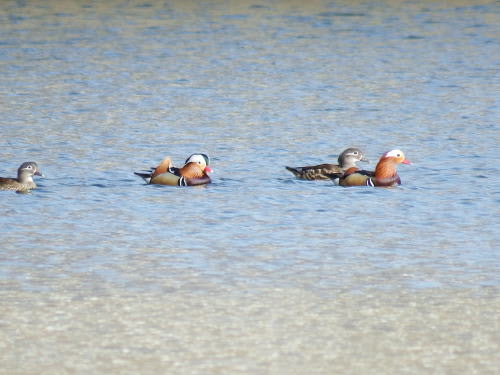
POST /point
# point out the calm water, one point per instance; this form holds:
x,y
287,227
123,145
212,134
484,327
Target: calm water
x,y
259,272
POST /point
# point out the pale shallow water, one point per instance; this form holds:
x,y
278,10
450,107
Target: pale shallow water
x,y
258,272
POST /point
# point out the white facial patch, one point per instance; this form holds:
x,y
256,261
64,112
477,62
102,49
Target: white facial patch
x,y
197,159
394,153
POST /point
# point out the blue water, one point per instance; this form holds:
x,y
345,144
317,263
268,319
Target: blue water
x,y
93,91
91,101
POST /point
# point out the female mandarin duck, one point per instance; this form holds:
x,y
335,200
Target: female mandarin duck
x,y
24,181
347,159
194,172
385,172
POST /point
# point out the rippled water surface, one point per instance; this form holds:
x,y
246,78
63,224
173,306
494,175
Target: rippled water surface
x,y
258,272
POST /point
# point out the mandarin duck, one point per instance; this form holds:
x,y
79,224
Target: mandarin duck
x,y
385,173
194,172
24,181
346,160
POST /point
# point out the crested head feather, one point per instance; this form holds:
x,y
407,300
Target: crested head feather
x,y
397,154
198,158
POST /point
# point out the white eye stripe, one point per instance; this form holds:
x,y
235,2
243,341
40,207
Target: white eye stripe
x,y
394,153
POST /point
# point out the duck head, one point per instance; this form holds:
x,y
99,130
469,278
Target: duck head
x,y
202,160
27,170
350,156
396,156
385,172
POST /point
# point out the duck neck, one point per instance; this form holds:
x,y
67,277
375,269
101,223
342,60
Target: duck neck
x,y
386,173
25,178
386,169
347,163
191,170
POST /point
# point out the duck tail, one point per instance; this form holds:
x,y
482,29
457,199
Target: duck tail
x,y
145,175
295,171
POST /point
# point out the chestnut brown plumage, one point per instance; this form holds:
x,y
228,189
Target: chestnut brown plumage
x,y
194,172
385,173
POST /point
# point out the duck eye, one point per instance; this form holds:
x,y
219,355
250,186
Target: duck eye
x,y
355,152
398,155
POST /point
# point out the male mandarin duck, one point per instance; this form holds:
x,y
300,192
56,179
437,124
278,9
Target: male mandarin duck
x,y
385,172
346,160
24,181
194,172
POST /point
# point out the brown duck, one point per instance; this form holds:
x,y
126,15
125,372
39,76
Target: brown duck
x,y
24,181
385,173
347,159
194,172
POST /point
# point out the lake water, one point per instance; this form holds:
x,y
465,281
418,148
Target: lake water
x,y
257,273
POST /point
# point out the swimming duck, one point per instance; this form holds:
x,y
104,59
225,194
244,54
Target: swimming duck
x,y
385,173
24,181
194,172
346,160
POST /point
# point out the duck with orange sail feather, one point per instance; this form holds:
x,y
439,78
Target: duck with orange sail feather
x,y
194,172
385,173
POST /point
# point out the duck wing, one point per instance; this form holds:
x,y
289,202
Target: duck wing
x,y
317,172
163,167
366,173
7,183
